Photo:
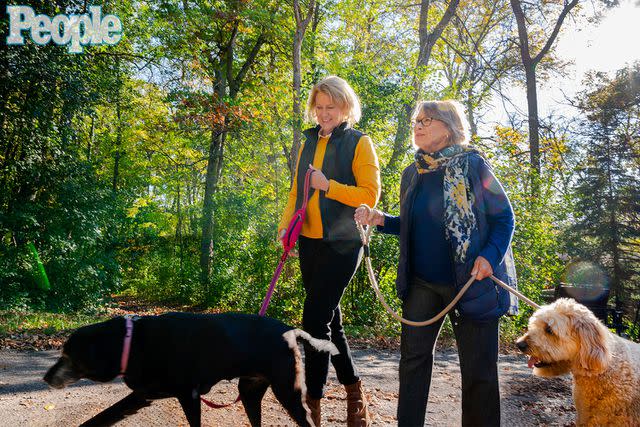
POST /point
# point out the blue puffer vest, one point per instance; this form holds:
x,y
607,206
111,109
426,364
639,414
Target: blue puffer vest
x,y
483,300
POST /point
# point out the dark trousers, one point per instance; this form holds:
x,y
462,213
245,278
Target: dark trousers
x,y
477,350
327,268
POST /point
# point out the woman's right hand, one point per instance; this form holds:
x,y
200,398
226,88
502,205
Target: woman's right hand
x,y
283,232
367,216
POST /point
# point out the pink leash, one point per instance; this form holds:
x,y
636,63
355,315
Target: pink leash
x,y
289,241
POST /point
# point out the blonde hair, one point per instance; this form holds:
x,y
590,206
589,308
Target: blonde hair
x,y
452,114
341,93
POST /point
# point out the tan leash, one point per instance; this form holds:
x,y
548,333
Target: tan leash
x,y
365,236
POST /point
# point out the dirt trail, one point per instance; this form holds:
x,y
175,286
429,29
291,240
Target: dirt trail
x,y
25,400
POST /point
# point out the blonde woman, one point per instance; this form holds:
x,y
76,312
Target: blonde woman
x,y
455,221
346,174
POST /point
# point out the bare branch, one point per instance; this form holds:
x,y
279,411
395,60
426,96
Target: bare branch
x,y
567,8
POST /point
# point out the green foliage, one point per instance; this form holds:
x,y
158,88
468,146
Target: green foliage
x,y
606,229
104,156
51,195
537,243
360,306
12,322
69,222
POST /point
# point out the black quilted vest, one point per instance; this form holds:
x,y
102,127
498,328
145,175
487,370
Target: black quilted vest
x,y
337,218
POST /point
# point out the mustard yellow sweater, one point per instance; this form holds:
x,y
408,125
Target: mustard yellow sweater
x,y
367,189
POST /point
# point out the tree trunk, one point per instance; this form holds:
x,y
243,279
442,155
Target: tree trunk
x,y
315,66
534,123
473,127
117,155
297,114
179,235
529,63
214,163
427,42
91,137
5,84
403,132
298,37
226,84
614,240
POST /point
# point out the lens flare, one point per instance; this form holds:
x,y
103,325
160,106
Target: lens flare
x,y
40,275
585,282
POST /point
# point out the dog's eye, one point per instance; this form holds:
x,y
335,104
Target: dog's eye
x,y
548,330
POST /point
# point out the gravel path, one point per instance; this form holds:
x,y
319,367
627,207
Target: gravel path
x,y
25,400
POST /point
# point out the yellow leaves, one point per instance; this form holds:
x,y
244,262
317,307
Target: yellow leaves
x,y
511,140
137,204
554,150
508,134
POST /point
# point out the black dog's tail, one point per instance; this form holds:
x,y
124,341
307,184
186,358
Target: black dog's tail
x,y
317,344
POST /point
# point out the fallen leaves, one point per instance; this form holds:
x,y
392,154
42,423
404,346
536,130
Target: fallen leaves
x,y
46,338
28,341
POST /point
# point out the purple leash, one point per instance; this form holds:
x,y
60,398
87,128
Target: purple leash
x,y
272,286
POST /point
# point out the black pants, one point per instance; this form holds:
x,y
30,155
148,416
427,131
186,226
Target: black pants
x,y
477,350
327,268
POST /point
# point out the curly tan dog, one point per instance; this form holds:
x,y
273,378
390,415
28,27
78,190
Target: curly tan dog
x,y
566,337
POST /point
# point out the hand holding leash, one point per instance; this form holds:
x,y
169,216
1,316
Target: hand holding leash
x,y
481,268
367,216
281,240
318,180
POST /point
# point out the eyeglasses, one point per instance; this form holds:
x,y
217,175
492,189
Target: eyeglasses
x,y
425,122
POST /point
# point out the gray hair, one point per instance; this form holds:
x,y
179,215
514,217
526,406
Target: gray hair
x,y
452,114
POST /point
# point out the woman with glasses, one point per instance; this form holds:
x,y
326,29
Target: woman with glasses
x,y
455,222
346,174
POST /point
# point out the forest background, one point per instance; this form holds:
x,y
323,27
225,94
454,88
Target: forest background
x,y
157,169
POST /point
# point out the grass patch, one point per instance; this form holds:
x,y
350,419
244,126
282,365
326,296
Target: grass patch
x,y
42,322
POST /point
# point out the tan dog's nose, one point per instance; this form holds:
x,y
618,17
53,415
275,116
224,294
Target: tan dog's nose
x,y
522,345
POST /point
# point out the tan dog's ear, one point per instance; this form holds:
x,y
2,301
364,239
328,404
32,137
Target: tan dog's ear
x,y
593,355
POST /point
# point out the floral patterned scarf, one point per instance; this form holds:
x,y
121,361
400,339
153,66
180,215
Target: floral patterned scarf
x,y
459,219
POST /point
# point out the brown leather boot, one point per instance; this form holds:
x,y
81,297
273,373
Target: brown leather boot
x,y
314,407
357,406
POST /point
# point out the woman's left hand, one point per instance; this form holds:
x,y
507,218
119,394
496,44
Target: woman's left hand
x,y
481,268
318,180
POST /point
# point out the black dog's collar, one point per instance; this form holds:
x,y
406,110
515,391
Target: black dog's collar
x,y
126,345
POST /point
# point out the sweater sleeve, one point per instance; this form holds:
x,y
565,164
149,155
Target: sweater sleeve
x,y
291,201
500,217
367,173
391,225
391,222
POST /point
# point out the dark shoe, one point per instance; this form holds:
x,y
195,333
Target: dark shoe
x,y
314,407
357,406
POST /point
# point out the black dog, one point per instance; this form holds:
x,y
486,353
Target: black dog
x,y
183,355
